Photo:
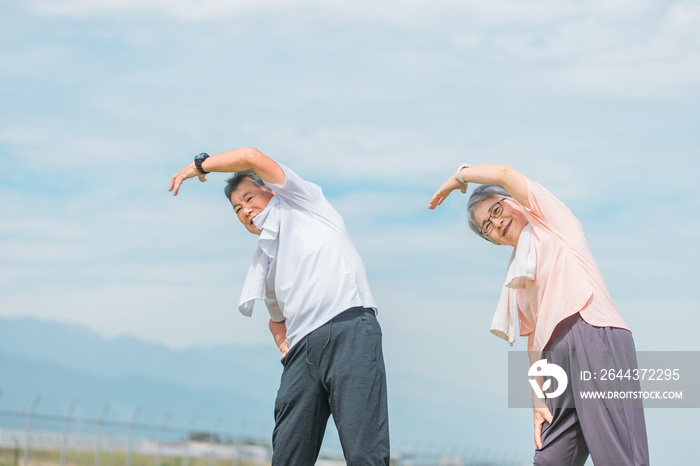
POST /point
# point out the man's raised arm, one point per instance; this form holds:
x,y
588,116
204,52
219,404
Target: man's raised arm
x,y
235,160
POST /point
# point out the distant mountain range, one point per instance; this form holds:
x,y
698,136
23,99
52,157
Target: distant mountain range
x,y
64,362
234,384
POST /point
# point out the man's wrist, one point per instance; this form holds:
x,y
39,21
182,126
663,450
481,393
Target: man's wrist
x,y
198,162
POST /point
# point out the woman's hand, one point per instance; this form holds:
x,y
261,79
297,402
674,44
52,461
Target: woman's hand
x,y
447,187
540,416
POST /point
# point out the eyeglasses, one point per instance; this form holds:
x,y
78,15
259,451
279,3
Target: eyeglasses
x,y
494,212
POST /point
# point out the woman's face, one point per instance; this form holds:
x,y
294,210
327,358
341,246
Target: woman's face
x,y
502,220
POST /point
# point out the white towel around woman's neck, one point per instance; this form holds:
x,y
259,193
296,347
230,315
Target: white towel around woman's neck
x,y
521,266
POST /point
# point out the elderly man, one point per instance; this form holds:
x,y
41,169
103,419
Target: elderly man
x,y
313,281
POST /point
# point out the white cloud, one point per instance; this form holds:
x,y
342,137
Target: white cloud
x,y
416,13
188,10
32,61
684,19
378,102
54,144
626,10
384,100
197,314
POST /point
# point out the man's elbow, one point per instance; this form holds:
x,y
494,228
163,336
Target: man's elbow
x,y
253,157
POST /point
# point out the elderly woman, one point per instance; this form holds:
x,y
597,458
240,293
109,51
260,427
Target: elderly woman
x,y
555,291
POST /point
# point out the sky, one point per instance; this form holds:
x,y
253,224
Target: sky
x,y
101,102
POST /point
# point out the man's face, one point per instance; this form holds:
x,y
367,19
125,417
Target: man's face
x,y
248,201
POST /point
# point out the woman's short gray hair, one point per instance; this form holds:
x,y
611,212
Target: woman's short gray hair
x,y
480,194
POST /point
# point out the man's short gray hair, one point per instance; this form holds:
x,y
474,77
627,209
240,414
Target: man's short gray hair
x,y
233,182
480,194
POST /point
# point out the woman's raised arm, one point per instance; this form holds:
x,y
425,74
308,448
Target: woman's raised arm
x,y
512,180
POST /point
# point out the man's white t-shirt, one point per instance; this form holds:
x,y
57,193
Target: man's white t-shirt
x,y
314,271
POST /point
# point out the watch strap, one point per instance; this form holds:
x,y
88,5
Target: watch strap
x,y
198,162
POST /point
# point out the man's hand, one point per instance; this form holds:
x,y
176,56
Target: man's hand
x,y
284,347
190,171
540,415
279,333
447,187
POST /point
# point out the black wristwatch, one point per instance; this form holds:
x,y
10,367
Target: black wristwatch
x,y
198,162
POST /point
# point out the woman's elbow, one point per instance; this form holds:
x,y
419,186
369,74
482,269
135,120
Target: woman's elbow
x,y
505,173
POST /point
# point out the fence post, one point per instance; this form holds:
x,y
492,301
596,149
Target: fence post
x,y
261,437
237,441
188,433
64,440
100,420
130,438
163,420
32,406
214,428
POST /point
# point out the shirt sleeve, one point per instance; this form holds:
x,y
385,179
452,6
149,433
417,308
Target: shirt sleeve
x,y
274,310
296,190
553,213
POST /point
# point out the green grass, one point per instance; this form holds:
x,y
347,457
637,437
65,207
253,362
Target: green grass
x,y
15,457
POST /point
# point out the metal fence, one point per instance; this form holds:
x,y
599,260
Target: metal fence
x,y
71,440
32,438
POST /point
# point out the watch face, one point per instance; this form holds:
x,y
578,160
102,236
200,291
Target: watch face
x,y
198,162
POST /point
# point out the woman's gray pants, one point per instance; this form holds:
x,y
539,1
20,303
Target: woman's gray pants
x,y
613,431
336,369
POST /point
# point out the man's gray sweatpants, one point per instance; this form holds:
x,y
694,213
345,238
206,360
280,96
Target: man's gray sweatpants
x,y
614,432
336,369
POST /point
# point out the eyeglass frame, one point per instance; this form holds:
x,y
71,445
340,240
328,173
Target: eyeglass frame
x,y
488,220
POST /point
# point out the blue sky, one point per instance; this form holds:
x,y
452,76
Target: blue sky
x,y
375,101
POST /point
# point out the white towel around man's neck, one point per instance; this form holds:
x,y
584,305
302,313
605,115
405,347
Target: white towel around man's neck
x,y
521,267
254,286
